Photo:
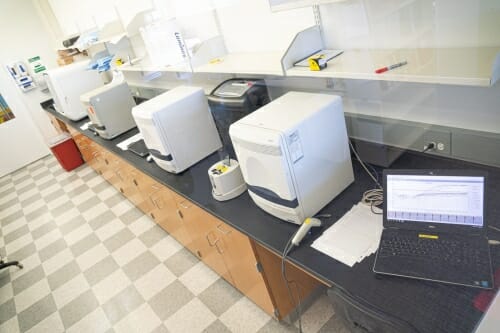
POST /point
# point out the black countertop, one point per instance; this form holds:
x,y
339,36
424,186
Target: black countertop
x,y
428,306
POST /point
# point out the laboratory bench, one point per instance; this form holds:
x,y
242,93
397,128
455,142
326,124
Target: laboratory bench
x,y
255,237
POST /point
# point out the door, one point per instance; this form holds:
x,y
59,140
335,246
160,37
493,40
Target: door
x,y
20,141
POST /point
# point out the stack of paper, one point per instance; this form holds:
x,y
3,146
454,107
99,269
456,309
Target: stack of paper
x,y
352,238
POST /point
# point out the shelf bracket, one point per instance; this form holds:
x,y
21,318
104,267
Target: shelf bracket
x,y
317,19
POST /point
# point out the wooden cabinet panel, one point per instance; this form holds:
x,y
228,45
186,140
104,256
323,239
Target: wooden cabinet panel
x,y
85,147
97,160
212,245
205,242
122,172
140,184
166,213
59,126
243,266
115,164
271,264
191,216
107,162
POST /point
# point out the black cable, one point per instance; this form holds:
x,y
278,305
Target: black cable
x,y
298,310
429,146
375,179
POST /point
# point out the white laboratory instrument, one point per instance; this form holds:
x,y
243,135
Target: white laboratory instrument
x,y
226,179
177,128
110,109
67,84
294,154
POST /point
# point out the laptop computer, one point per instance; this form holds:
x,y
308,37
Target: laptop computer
x,y
435,227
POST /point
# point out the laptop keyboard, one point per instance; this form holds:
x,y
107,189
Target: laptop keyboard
x,y
449,251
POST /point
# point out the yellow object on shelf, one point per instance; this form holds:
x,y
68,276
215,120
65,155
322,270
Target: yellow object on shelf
x,y
317,63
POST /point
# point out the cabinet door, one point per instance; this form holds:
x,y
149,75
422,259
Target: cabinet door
x,y
124,184
190,215
304,282
213,248
166,213
243,266
59,126
108,160
97,161
140,182
114,165
85,148
205,242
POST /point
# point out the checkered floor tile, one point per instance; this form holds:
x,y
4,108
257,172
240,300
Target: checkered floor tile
x,y
94,263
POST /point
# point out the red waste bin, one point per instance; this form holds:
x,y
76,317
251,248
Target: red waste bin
x,y
65,150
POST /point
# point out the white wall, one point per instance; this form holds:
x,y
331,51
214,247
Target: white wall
x,y
24,36
250,26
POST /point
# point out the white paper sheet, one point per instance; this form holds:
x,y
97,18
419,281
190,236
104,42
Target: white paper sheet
x,y
125,143
85,126
352,238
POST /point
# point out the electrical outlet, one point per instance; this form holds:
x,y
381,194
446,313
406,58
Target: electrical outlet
x,y
441,138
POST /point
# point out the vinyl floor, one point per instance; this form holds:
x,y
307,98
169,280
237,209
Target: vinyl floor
x,y
95,263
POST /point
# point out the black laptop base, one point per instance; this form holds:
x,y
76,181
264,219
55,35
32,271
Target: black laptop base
x,y
447,258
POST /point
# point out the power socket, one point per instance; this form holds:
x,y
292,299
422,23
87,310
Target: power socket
x,y
442,140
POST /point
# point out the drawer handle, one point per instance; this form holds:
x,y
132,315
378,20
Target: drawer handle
x,y
106,161
183,205
135,182
219,249
179,213
157,202
207,236
224,232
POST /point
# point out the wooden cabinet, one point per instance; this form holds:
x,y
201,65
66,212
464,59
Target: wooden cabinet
x,y
244,267
251,268
166,213
59,126
84,145
227,251
140,184
304,284
196,224
205,241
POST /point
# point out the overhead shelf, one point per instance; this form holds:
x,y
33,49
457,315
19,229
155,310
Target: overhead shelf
x,y
209,49
144,65
261,63
467,66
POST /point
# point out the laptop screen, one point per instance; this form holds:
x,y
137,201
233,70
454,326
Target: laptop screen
x,y
454,200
